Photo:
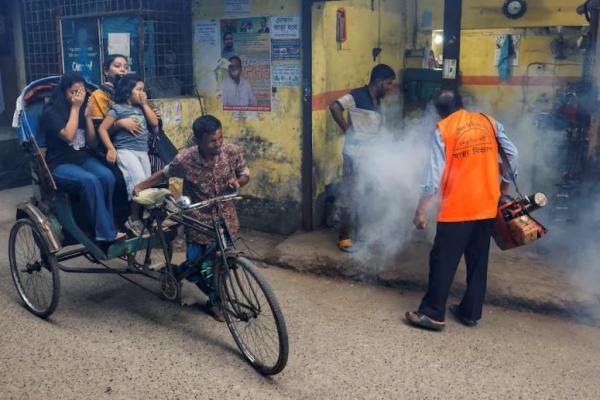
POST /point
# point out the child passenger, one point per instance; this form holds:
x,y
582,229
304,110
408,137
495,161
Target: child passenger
x,y
130,149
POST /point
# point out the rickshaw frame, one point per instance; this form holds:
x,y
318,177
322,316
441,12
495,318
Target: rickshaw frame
x,y
51,210
49,214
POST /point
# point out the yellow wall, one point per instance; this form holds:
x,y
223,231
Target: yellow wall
x,y
487,14
336,69
177,116
481,21
272,140
523,95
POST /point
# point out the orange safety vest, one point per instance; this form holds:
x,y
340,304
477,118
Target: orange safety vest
x,y
470,186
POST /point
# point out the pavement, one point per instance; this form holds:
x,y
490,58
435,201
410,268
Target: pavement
x,y
519,278
525,278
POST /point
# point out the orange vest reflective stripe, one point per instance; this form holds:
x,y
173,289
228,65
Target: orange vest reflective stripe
x,y
470,186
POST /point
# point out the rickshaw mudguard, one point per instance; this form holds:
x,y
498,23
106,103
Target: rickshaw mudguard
x,y
48,231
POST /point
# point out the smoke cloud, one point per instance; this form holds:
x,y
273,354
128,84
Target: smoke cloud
x,y
387,190
391,172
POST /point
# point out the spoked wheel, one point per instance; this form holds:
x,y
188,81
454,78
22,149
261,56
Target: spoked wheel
x,y
253,316
33,268
149,258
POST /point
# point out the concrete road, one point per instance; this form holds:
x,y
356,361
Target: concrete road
x,y
109,339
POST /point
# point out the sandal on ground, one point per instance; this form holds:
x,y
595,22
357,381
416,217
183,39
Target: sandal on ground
x,y
345,245
419,320
455,310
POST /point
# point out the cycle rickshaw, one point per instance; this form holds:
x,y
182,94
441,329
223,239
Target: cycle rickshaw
x,y
47,233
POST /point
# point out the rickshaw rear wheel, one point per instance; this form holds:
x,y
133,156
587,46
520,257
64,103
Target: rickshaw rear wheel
x,y
253,316
33,268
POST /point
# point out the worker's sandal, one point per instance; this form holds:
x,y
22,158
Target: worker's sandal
x,y
345,245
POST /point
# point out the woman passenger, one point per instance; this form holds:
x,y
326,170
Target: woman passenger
x,y
69,129
114,67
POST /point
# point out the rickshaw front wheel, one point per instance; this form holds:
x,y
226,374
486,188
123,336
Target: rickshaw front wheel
x,y
33,268
253,316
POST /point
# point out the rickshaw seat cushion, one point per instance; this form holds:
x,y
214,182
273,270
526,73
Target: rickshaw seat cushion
x,y
152,197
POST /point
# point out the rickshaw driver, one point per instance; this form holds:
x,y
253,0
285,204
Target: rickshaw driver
x,y
211,168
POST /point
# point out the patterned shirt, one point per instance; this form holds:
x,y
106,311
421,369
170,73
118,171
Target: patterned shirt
x,y
202,182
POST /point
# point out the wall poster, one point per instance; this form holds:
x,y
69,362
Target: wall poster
x,y
246,45
81,47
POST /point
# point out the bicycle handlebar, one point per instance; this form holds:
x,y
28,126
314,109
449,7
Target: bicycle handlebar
x,y
206,203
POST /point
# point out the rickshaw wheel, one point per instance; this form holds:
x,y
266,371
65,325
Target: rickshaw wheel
x,y
170,288
33,268
253,316
147,257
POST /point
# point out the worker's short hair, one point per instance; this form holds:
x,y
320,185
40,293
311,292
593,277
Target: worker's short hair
x,y
205,125
382,72
447,101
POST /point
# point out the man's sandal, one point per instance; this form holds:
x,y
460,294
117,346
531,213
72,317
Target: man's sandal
x,y
345,245
419,320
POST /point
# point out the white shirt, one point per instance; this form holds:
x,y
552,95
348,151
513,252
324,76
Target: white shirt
x,y
235,94
364,126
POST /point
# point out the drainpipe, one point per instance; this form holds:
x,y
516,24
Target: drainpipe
x,y
452,23
307,142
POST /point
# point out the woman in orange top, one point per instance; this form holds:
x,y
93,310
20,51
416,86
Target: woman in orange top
x,y
114,67
100,101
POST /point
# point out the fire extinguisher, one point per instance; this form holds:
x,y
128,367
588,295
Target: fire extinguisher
x,y
340,26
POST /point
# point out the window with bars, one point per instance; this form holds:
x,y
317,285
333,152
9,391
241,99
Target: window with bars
x,y
160,36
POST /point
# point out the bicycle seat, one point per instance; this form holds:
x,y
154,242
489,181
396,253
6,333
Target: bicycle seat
x,y
152,197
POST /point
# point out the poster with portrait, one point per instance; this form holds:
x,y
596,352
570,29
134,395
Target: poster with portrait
x,y
81,47
246,50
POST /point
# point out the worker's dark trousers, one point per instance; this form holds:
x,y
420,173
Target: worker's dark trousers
x,y
452,240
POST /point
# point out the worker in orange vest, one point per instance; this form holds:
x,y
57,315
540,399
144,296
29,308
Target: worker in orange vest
x,y
464,169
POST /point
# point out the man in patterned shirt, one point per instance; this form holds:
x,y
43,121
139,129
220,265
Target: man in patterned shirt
x,y
213,167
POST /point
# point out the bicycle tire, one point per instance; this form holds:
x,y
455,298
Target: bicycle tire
x,y
240,269
28,266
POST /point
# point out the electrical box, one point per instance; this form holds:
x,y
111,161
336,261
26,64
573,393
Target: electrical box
x,y
421,84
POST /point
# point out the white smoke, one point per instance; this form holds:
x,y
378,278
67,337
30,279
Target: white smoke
x,y
391,171
389,174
